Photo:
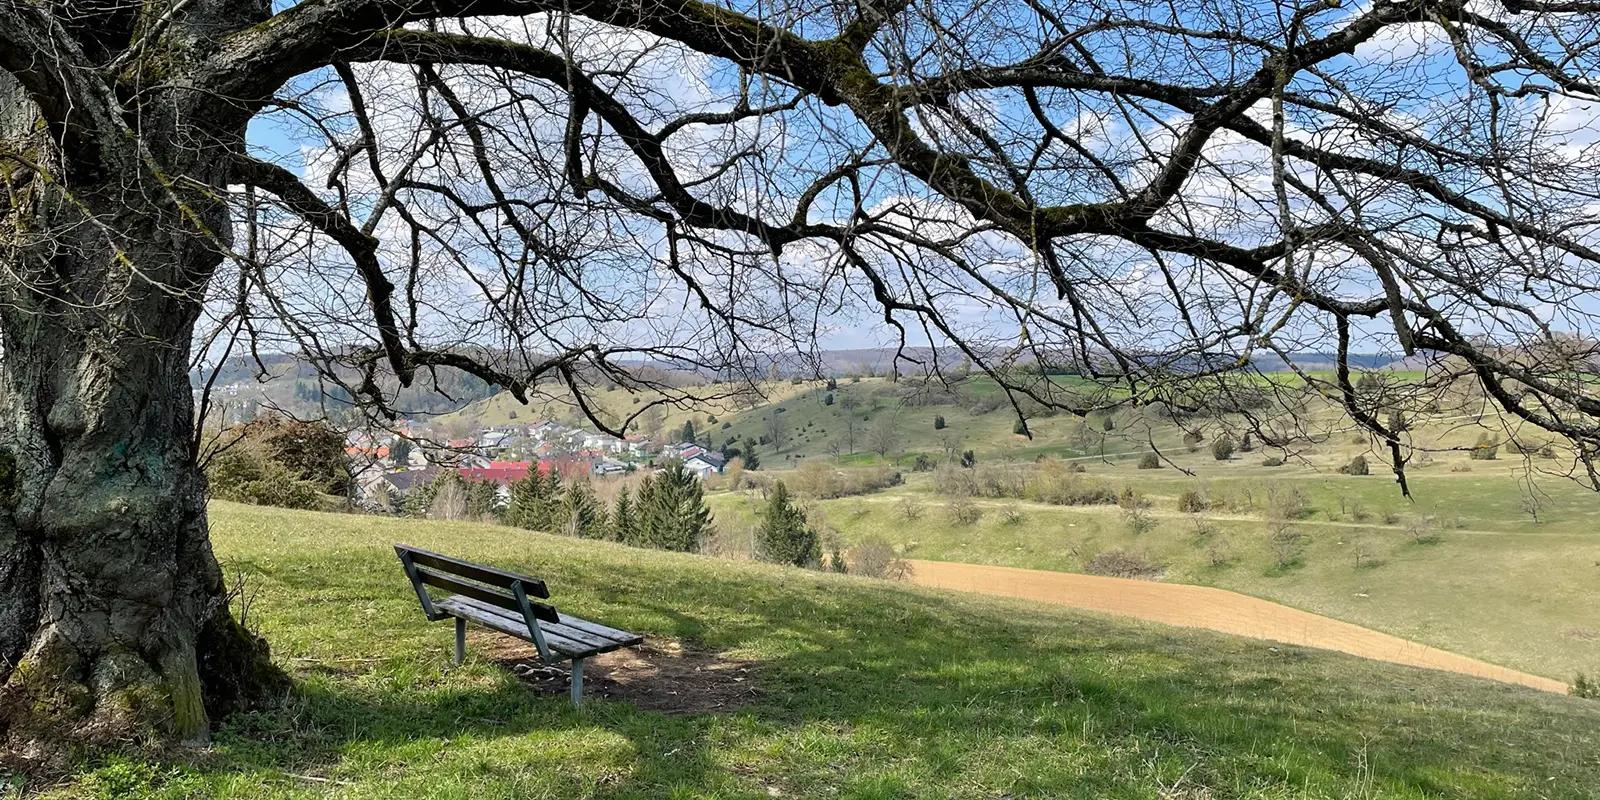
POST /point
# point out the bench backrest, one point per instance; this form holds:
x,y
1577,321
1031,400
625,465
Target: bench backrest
x,y
497,587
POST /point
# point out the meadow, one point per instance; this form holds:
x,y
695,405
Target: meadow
x,y
1460,566
859,689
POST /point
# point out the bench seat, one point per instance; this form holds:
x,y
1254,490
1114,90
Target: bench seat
x,y
571,637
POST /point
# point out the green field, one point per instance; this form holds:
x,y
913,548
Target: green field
x,y
1460,567
864,689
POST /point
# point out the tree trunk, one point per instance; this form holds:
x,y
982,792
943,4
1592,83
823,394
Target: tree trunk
x,y
114,625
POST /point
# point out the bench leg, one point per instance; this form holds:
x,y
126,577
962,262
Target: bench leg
x,y
461,640
577,682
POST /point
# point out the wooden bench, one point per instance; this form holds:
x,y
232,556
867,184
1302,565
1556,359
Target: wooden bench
x,y
504,601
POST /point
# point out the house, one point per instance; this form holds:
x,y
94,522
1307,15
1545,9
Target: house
x,y
387,491
609,466
704,463
500,473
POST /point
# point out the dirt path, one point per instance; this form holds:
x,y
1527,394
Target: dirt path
x,y
1212,609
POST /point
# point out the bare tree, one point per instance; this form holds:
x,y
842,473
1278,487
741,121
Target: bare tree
x,y
778,431
884,438
545,196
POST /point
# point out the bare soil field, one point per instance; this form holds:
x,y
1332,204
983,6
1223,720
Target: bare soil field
x,y
1212,609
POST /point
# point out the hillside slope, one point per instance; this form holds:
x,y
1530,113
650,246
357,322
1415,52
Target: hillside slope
x,y
862,689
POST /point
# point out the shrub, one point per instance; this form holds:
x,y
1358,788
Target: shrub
x,y
245,474
1109,425
1357,466
962,511
1192,501
1150,461
1286,545
1271,461
909,508
938,423
828,400
1057,483
1222,448
1139,520
1585,687
1123,564
1020,428
1129,498
1485,449
969,459
874,557
1244,444
1010,514
923,463
822,480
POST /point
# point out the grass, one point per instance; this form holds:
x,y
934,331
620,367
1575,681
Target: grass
x,y
1485,580
867,690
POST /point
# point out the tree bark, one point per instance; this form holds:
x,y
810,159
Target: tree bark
x,y
114,623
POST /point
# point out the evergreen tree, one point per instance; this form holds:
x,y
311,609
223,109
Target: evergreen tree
x,y
623,520
672,510
581,511
483,500
783,537
534,502
688,431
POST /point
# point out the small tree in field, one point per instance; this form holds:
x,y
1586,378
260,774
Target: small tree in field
x,y
1486,448
1150,461
938,423
783,536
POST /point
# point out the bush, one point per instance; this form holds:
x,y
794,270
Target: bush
x,y
1108,425
1357,466
874,557
245,474
1271,461
1139,520
1192,502
923,463
1585,687
962,511
1058,483
1150,461
969,459
1222,448
909,508
938,423
1010,514
1485,449
1123,564
823,481
1020,428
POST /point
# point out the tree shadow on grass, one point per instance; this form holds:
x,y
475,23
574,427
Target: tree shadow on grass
x,y
870,690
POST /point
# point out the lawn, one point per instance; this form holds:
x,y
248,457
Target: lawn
x,y
864,690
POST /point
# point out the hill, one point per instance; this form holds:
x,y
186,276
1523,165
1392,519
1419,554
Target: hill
x,y
844,687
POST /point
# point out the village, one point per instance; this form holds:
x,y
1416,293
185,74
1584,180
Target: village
x,y
387,466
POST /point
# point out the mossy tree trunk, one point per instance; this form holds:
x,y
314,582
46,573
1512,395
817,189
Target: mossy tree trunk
x,y
114,625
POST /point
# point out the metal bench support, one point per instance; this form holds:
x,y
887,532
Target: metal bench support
x,y
577,682
461,640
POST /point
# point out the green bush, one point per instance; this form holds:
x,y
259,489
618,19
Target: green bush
x,y
1272,461
1357,466
1222,448
938,423
1485,449
1585,687
1192,501
1150,461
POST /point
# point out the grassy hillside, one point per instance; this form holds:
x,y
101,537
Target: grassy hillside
x,y
862,690
1460,566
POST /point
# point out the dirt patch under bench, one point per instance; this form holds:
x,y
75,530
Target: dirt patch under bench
x,y
667,675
